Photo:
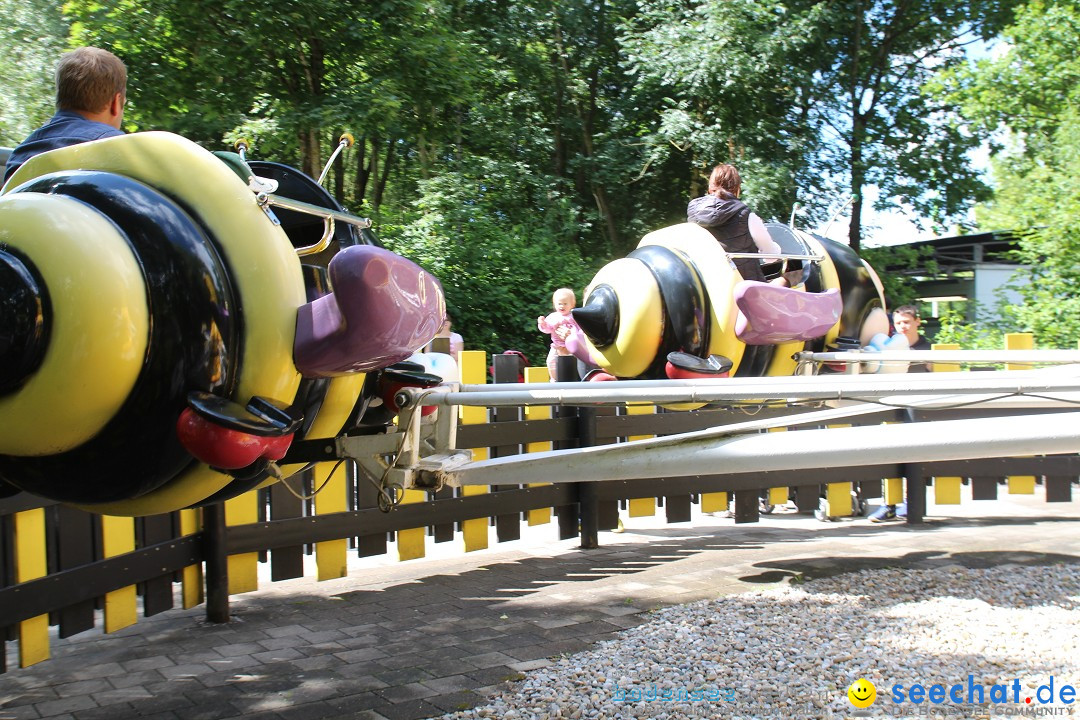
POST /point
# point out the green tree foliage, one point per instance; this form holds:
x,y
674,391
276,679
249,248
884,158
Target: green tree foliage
x,y
33,34
1032,93
986,334
711,72
894,265
847,112
511,146
496,235
286,69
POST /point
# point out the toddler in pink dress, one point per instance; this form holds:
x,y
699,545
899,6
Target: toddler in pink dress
x,y
559,325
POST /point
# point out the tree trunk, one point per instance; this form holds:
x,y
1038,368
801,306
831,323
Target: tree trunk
x,y
360,181
339,177
380,187
310,162
858,134
858,180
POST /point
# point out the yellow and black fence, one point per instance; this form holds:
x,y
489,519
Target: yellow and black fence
x,y
64,571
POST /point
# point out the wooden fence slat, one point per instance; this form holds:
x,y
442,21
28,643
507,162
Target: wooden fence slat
x,y
1058,489
569,515
367,498
838,494
191,586
677,508
287,562
243,568
31,563
443,532
946,489
331,556
778,495
507,368
641,507
157,592
76,544
540,516
807,498
894,491
714,502
984,488
117,538
7,579
607,510
1018,341
474,532
746,506
945,367
411,541
1020,484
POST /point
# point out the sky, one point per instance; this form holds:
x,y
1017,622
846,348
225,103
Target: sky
x,y
879,228
896,226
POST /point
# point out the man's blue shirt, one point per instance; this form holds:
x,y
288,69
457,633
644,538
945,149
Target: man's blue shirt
x,y
64,128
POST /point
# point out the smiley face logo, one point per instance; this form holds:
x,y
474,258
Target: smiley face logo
x,y
862,693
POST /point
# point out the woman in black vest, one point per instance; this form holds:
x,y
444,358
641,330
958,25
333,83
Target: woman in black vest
x,y
731,222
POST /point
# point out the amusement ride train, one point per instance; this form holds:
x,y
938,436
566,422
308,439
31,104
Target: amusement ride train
x,y
173,321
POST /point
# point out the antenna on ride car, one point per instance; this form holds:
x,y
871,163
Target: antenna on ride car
x,y
794,209
345,141
241,147
836,214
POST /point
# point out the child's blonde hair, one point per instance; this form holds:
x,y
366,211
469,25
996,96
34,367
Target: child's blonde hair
x,y
564,291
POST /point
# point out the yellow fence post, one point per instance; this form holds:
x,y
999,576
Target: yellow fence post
x,y
329,478
243,568
945,367
646,507
412,542
838,494
1020,484
714,502
947,489
117,538
31,564
778,495
192,576
474,531
1019,341
539,516
893,491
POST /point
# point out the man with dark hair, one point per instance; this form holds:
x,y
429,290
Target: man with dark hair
x,y
91,91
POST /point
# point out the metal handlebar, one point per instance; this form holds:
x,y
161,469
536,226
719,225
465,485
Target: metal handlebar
x,y
328,215
776,256
345,141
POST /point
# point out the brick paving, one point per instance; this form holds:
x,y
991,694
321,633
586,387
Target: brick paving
x,y
398,641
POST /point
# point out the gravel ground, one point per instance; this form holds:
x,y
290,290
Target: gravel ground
x,y
792,651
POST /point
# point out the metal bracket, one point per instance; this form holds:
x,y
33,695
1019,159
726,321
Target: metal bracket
x,y
413,454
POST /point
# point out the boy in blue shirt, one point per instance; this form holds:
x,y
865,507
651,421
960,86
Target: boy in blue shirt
x,y
91,91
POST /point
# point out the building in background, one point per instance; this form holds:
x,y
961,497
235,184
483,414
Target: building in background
x,y
966,273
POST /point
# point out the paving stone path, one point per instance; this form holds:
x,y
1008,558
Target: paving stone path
x,y
398,641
